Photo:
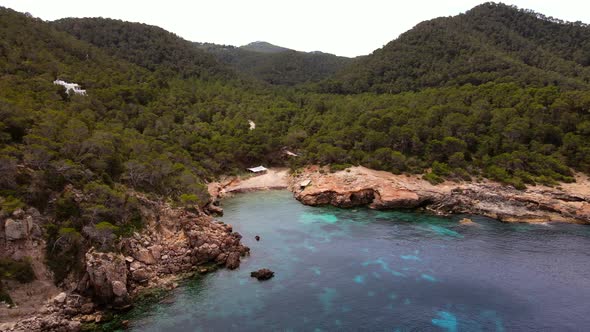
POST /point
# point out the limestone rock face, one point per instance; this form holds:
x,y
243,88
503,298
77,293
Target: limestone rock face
x,y
22,226
144,256
392,198
382,190
107,274
15,230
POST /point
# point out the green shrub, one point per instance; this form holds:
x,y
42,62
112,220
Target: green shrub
x,y
69,232
460,174
10,204
189,199
106,226
21,271
497,173
433,178
133,223
440,169
339,167
516,183
525,177
63,250
66,207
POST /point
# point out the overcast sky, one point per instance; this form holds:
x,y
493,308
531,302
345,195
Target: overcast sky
x,y
342,27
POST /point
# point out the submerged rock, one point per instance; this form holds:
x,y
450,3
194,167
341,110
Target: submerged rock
x,y
262,274
466,221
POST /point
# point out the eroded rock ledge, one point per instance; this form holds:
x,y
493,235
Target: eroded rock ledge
x,y
360,186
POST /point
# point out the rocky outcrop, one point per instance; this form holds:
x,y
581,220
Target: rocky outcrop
x,y
394,198
360,186
21,239
173,242
21,226
262,274
107,277
63,313
15,230
177,241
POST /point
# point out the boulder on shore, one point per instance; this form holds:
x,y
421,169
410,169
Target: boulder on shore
x,y
108,277
262,274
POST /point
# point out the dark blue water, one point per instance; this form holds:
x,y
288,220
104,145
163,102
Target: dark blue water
x,y
350,270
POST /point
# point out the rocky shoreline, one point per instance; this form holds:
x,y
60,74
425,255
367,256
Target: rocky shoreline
x,y
174,242
360,186
178,242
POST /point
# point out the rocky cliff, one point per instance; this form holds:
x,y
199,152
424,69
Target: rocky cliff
x,y
357,186
173,241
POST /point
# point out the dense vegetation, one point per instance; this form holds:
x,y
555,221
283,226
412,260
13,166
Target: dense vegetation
x,y
147,46
163,117
262,47
490,43
277,65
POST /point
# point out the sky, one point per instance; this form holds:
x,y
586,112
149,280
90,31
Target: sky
x,y
342,27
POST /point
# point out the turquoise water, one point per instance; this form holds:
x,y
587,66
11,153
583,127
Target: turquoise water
x,y
358,269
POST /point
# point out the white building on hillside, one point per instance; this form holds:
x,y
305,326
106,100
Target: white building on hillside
x,y
70,87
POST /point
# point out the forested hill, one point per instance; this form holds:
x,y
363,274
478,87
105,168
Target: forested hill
x,y
489,43
264,47
157,49
147,46
145,127
162,117
277,65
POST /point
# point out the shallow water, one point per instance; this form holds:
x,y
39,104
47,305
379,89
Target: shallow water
x,y
360,269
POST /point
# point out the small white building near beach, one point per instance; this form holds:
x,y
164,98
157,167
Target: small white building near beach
x,y
258,169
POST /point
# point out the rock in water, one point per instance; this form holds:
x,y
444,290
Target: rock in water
x,y
233,260
257,238
262,274
466,221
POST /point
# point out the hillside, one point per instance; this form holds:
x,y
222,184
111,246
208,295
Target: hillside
x,y
489,43
264,47
276,65
147,46
75,159
160,118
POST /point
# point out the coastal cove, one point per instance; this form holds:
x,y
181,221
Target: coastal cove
x,y
154,183
349,269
